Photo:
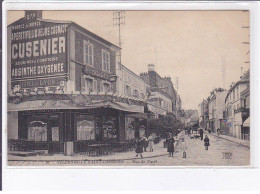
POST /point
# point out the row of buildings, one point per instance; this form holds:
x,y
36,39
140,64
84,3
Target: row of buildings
x,y
66,87
228,110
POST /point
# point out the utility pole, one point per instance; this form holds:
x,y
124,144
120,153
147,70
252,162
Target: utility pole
x,y
223,63
118,20
248,41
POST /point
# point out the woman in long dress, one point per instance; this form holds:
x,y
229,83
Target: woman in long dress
x,y
150,142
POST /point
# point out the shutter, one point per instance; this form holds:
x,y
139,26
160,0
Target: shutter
x,y
95,86
101,87
82,84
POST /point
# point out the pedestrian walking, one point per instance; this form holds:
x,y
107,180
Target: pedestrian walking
x,y
144,142
218,131
206,142
188,131
183,147
139,148
170,148
150,142
201,134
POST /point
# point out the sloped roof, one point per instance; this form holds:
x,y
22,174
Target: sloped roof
x,y
71,23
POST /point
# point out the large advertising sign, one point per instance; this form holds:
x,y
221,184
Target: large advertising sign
x,y
38,50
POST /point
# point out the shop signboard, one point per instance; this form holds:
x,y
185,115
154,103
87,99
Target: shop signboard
x,y
38,50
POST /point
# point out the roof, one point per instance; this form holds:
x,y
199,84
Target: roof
x,y
241,81
73,24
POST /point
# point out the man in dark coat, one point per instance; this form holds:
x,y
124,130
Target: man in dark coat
x,y
201,134
139,148
170,148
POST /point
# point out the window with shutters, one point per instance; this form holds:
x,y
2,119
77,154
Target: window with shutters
x,y
105,61
88,53
87,85
95,85
106,87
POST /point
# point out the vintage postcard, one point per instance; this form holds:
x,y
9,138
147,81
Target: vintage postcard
x,y
128,88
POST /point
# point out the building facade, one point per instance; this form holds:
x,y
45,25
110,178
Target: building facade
x,y
216,109
237,108
203,114
62,87
132,86
163,97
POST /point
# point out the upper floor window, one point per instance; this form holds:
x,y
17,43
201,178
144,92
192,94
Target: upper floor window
x,y
88,85
128,90
136,93
88,53
106,87
233,95
105,61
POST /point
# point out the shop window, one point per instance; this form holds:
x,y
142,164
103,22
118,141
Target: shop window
x,y
37,131
105,61
88,53
140,126
129,128
109,127
85,127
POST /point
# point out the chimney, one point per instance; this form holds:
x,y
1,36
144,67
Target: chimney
x,y
150,67
33,14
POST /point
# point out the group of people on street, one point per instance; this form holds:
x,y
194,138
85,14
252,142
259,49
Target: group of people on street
x,y
143,143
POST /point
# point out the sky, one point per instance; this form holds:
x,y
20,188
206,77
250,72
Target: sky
x,y
203,49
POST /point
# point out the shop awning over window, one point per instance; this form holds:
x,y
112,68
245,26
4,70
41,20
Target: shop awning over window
x,y
247,122
67,104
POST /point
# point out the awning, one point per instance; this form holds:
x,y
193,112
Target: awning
x,y
247,122
67,104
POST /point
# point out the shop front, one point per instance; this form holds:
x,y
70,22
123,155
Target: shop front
x,y
63,126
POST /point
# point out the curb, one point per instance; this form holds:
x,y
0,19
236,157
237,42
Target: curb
x,y
87,159
241,144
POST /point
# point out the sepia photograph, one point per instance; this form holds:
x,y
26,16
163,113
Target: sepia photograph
x,y
134,88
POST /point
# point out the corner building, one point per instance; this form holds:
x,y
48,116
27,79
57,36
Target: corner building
x,y
62,86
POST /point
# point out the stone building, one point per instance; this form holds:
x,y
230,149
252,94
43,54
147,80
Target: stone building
x,y
237,108
62,87
203,114
216,108
164,97
132,86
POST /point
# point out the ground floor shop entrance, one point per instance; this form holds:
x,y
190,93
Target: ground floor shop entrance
x,y
42,131
75,131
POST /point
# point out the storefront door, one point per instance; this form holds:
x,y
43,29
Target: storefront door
x,y
55,140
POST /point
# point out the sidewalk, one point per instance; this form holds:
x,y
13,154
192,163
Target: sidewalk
x,y
233,139
159,150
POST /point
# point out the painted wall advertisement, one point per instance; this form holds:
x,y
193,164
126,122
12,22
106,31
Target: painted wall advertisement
x,y
38,53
